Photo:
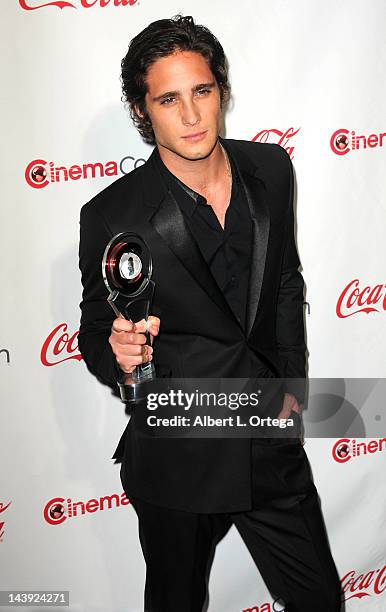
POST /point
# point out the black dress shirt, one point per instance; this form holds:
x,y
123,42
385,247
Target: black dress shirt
x,y
226,251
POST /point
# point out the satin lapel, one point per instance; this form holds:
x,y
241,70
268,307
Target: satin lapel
x,y
255,191
252,178
169,222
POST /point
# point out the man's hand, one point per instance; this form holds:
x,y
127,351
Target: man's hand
x,y
128,341
290,403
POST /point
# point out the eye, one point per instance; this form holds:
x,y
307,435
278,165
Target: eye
x,y
167,100
202,92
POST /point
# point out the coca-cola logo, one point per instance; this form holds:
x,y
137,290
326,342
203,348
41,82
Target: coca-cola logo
x,y
60,346
354,299
39,173
343,141
346,449
30,5
59,509
3,508
284,139
358,586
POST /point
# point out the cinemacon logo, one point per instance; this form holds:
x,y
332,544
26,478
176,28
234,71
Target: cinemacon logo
x,y
343,141
59,509
27,5
346,449
39,173
277,606
355,299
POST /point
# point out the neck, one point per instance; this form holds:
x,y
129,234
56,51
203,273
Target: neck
x,y
196,174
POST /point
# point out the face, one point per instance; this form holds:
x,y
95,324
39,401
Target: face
x,y
183,104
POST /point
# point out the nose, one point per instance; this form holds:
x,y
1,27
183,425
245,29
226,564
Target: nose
x,y
190,114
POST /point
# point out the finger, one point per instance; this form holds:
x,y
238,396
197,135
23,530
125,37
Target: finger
x,y
118,341
290,399
284,413
127,364
128,350
296,409
140,326
122,325
125,338
153,324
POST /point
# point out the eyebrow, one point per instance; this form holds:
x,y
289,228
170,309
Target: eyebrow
x,y
170,94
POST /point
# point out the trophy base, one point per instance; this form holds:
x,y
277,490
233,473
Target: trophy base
x,y
134,388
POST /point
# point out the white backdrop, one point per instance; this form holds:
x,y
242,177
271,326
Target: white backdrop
x,y
302,73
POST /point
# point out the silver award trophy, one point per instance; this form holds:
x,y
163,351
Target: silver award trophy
x,y
126,270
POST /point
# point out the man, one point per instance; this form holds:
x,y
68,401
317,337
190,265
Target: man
x,y
217,215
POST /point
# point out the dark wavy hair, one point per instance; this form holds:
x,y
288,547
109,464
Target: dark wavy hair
x,y
160,39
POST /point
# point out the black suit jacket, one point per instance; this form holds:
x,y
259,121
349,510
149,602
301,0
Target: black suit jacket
x,y
199,334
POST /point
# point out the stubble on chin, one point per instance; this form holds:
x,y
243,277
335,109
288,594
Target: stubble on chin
x,y
197,155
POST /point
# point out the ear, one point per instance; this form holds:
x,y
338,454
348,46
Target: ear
x,y
138,112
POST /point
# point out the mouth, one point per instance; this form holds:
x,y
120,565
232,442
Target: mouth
x,y
195,137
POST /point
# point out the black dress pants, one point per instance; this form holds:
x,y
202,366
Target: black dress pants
x,y
284,533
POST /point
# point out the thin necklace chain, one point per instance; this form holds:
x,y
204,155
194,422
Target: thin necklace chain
x,y
229,171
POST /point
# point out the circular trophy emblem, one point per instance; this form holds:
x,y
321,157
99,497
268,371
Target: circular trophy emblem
x,y
127,265
130,266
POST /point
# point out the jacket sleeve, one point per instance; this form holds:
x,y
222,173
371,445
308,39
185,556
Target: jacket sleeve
x,y
96,314
290,312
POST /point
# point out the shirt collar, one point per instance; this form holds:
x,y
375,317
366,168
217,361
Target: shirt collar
x,y
195,199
